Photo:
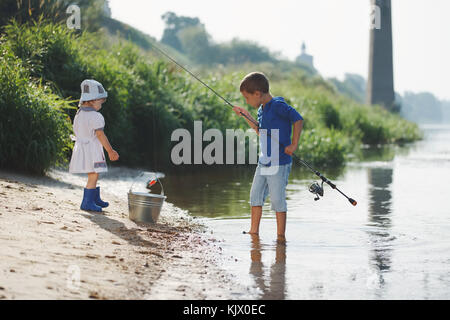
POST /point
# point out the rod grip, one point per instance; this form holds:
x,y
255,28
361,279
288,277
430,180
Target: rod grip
x,y
353,202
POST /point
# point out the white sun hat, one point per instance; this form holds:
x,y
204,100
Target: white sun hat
x,y
91,90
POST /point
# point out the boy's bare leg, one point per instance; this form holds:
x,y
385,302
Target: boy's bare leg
x,y
255,220
92,180
281,226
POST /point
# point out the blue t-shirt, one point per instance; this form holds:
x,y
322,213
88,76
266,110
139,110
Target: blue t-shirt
x,y
276,114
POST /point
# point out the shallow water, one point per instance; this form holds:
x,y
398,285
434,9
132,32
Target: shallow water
x,y
395,244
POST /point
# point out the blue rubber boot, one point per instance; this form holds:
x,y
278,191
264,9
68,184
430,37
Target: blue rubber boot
x,y
99,201
88,203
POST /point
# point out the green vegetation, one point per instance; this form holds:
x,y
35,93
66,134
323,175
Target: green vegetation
x,y
33,126
421,107
336,127
43,64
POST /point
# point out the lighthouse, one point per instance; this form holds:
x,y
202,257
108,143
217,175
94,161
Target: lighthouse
x,y
304,58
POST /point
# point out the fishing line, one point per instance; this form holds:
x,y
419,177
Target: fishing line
x,y
315,188
198,79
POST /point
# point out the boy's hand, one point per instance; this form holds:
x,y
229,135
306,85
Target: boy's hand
x,y
240,110
113,155
290,149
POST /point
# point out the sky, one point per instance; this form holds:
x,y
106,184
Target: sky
x,y
336,33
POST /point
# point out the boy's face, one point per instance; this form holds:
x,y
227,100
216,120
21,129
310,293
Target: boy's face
x,y
253,99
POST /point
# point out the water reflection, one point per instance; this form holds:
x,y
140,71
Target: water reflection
x,y
380,202
225,191
277,284
211,192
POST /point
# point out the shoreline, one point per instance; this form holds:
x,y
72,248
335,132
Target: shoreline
x,y
53,250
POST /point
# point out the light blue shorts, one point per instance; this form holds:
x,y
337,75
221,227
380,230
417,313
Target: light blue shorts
x,y
270,180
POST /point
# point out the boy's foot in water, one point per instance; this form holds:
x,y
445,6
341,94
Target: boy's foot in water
x,y
281,239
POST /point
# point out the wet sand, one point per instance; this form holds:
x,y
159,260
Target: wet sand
x,y
50,249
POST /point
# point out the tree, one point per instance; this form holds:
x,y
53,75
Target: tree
x,y
353,86
239,51
195,42
189,36
174,24
421,107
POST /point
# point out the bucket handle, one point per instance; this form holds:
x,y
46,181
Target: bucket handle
x,y
140,175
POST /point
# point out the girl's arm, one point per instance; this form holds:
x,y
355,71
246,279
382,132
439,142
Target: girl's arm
x,y
113,155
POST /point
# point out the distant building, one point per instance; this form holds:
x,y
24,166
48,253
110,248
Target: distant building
x,y
305,58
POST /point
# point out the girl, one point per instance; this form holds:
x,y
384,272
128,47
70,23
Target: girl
x,y
88,156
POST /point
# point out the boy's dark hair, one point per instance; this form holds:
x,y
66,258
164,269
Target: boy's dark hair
x,y
255,81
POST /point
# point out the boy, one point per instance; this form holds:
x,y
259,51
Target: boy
x,y
273,113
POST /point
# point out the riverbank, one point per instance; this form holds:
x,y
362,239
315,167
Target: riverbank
x,y
53,250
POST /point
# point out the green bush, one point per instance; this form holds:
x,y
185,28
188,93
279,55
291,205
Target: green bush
x,y
325,148
141,110
34,133
375,125
329,115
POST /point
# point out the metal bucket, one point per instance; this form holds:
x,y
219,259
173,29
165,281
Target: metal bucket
x,y
145,206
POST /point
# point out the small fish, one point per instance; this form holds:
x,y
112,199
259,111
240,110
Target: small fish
x,y
150,183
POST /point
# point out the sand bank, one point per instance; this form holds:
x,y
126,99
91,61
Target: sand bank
x,y
50,249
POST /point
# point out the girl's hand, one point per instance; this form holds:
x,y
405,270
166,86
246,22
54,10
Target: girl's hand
x,y
113,155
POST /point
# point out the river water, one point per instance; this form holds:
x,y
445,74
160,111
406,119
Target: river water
x,y
395,244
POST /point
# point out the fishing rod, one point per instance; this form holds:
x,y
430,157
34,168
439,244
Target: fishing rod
x,y
314,188
197,78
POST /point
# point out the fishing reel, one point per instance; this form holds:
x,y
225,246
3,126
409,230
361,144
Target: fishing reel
x,y
316,189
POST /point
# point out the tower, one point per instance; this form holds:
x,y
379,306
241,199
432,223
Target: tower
x,y
380,82
305,58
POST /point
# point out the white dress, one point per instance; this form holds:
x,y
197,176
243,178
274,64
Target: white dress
x,y
87,155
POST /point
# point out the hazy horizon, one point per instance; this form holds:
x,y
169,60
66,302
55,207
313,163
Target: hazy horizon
x,y
338,40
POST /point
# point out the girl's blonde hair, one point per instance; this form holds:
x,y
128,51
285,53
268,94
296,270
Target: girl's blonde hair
x,y
82,102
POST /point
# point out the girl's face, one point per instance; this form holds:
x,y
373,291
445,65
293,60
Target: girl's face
x,y
97,104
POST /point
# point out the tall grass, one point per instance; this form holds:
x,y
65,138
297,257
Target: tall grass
x,y
34,133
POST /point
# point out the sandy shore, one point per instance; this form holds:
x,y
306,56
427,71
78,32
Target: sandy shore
x,y
50,249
